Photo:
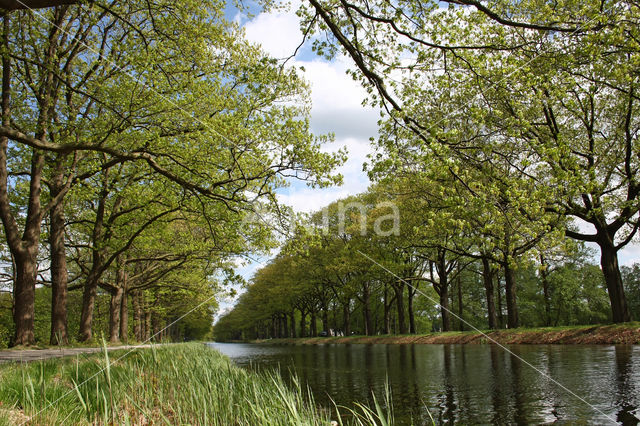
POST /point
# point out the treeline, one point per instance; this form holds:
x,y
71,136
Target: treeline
x,y
144,318
509,136
508,144
380,263
522,112
135,143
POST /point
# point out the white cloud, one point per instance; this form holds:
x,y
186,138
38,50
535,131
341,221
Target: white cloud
x,y
330,77
629,254
337,101
308,200
278,33
304,199
336,108
358,151
336,97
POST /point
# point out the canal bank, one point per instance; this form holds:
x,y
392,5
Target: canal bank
x,y
611,334
185,383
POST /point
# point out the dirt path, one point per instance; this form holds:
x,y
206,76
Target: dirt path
x,y
28,355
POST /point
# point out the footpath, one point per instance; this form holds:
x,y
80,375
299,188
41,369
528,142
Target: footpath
x,y
29,355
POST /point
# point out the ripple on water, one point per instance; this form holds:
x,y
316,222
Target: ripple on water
x,y
467,384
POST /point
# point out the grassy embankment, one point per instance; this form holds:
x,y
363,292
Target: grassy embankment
x,y
628,333
176,384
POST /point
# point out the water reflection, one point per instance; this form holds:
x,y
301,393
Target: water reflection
x,y
626,394
465,384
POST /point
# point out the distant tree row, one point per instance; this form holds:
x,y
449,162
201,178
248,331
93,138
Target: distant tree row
x,y
350,269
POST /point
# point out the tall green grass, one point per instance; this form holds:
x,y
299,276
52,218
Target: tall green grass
x,y
175,384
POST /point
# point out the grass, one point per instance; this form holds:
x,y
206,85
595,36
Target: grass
x,y
177,384
627,333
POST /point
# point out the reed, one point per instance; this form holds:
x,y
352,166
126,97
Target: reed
x,y
174,384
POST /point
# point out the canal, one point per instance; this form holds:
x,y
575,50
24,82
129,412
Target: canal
x,y
465,384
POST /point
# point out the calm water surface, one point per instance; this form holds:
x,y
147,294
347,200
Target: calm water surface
x,y
465,384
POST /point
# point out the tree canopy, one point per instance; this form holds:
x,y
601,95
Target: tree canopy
x,y
123,121
138,142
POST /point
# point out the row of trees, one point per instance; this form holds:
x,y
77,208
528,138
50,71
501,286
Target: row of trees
x,y
135,141
358,268
532,107
510,137
509,125
179,309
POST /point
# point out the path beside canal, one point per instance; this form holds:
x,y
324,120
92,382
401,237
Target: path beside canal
x,y
28,355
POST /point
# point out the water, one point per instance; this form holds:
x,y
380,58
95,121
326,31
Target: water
x,y
465,384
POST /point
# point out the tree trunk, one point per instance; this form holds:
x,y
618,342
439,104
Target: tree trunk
x,y
24,249
114,314
88,304
325,318
346,317
366,311
334,311
444,307
156,323
97,260
613,279
281,328
21,248
442,288
24,300
510,294
399,292
411,292
293,323
544,274
117,296
147,326
314,324
487,276
121,282
460,307
124,317
499,297
285,324
303,324
59,275
387,313
137,315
